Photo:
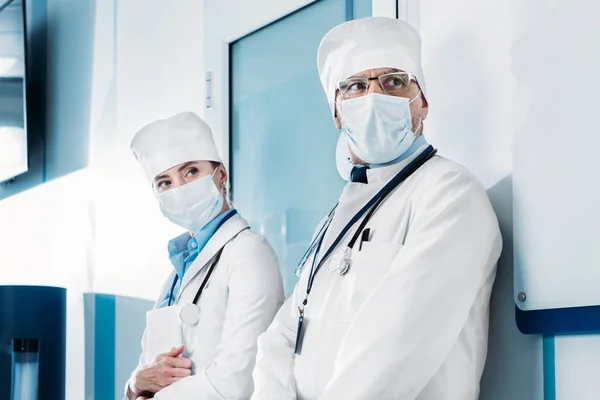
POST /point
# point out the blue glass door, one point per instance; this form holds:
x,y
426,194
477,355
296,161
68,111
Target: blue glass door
x,y
283,138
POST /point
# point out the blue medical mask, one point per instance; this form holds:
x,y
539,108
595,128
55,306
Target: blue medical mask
x,y
192,205
378,126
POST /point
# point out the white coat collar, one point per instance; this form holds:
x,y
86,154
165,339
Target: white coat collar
x,y
355,195
224,234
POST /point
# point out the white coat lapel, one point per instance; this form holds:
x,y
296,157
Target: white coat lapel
x,y
356,195
224,234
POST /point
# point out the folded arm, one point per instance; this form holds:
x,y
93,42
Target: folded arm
x,y
255,294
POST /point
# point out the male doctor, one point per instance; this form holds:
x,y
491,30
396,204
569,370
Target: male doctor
x,y
200,339
393,300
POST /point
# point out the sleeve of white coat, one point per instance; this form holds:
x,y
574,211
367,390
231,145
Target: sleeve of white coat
x,y
142,359
274,371
140,364
255,295
409,323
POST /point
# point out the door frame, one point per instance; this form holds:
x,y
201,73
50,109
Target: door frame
x,y
226,21
408,10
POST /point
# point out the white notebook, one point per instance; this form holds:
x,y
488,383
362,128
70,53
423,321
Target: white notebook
x,y
163,331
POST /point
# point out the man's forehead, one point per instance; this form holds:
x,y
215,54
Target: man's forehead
x,y
375,72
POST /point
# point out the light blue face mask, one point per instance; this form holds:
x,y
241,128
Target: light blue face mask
x,y
378,126
192,205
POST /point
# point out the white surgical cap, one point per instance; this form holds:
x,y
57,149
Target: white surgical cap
x,y
364,44
166,143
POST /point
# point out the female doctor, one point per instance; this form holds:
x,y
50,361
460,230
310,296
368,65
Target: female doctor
x,y
200,338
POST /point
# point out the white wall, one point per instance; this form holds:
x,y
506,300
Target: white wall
x,y
100,229
44,240
474,114
557,43
148,65
489,68
44,235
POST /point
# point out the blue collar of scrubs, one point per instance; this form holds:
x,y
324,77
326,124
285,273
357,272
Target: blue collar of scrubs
x,y
184,249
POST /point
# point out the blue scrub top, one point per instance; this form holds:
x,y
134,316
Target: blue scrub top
x,y
184,249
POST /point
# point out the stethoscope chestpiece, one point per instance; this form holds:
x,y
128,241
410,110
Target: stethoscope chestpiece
x,y
189,314
340,261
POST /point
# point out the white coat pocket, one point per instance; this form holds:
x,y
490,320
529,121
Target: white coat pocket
x,y
163,331
368,267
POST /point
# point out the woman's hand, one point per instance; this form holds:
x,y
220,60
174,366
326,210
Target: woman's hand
x,y
163,371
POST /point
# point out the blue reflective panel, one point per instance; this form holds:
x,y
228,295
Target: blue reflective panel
x,y
284,177
362,8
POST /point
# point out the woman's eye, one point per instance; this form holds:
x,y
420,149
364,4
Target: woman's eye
x,y
163,184
192,172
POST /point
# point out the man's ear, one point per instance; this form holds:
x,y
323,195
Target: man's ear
x,y
337,120
336,114
424,107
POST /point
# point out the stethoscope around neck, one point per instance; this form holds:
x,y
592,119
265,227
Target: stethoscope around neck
x,y
341,261
189,313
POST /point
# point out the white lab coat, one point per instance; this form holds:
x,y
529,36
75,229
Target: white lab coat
x,y
238,303
410,318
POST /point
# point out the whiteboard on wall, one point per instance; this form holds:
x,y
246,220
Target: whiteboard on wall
x,y
556,223
556,178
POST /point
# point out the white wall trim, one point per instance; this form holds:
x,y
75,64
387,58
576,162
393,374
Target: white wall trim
x,y
224,23
408,10
385,8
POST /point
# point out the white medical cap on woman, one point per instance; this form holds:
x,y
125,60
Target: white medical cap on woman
x,y
364,44
166,143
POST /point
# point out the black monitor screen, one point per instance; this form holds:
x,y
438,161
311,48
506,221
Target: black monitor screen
x,y
13,130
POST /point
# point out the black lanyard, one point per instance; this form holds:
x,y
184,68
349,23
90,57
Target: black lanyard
x,y
216,259
316,242
368,208
171,299
212,267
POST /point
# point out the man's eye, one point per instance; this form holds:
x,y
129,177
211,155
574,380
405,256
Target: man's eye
x,y
357,86
352,86
393,82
